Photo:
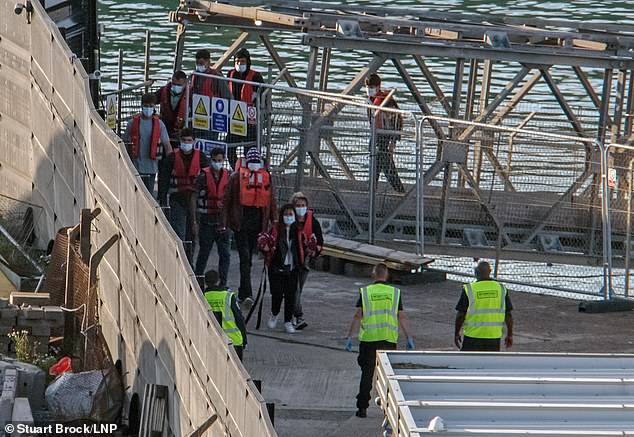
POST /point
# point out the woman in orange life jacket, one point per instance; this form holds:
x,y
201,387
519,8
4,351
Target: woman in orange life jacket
x,y
313,241
246,93
286,255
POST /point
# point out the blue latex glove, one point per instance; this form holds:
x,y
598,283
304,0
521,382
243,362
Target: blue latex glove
x,y
410,344
349,344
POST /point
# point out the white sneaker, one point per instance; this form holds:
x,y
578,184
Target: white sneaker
x,y
288,326
272,322
247,303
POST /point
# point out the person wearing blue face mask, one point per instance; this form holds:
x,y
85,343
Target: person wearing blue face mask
x,y
210,188
172,103
147,140
286,261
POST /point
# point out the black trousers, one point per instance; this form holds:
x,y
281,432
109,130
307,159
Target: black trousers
x,y
480,344
301,280
366,360
246,243
385,145
239,351
283,287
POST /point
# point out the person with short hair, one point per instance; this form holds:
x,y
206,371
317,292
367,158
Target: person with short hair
x,y
249,207
379,314
226,310
313,242
179,181
246,93
385,142
483,310
147,138
210,188
172,103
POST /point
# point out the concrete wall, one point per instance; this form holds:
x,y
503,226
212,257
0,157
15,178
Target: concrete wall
x,y
56,152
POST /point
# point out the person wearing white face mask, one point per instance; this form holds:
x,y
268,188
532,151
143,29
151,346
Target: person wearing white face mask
x,y
313,241
179,181
244,92
385,142
248,208
286,262
210,188
147,139
172,104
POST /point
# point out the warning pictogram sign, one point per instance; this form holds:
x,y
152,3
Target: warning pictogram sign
x,y
238,124
200,116
111,111
252,115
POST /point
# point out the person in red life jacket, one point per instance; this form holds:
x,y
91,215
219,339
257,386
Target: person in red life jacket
x,y
207,86
313,241
210,189
385,143
179,181
286,260
172,104
248,209
146,136
246,93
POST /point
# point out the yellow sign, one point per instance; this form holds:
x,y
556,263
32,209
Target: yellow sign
x,y
238,123
237,114
111,111
201,123
200,108
201,111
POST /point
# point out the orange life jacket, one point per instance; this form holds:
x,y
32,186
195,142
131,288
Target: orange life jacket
x,y
246,93
210,199
255,187
173,118
205,85
135,137
183,179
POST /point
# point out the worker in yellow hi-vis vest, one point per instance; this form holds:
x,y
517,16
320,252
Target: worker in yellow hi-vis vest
x,y
379,312
225,307
483,310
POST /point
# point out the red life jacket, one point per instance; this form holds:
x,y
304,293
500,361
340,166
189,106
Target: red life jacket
x,y
377,100
210,199
255,187
299,238
307,228
205,85
173,118
135,137
183,179
246,93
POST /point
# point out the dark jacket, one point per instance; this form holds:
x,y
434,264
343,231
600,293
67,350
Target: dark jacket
x,y
164,177
281,248
233,210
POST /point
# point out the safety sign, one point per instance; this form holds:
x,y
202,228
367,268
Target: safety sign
x,y
206,146
219,115
252,115
238,120
111,111
201,111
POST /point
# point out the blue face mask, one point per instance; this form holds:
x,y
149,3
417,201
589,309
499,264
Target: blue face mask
x,y
148,111
289,220
216,165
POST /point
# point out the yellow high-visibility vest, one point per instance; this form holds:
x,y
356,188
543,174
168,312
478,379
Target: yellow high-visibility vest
x,y
487,309
380,313
220,302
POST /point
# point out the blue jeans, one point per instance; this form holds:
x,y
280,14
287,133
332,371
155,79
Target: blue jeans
x,y
208,235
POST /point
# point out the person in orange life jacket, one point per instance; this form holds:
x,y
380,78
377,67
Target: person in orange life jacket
x,y
179,181
313,242
210,189
147,139
206,86
385,143
212,283
247,93
172,104
482,273
286,261
248,208
380,337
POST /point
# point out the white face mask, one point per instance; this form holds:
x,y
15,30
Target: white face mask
x,y
177,89
187,147
371,92
301,211
241,68
216,165
148,111
201,68
253,166
289,219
